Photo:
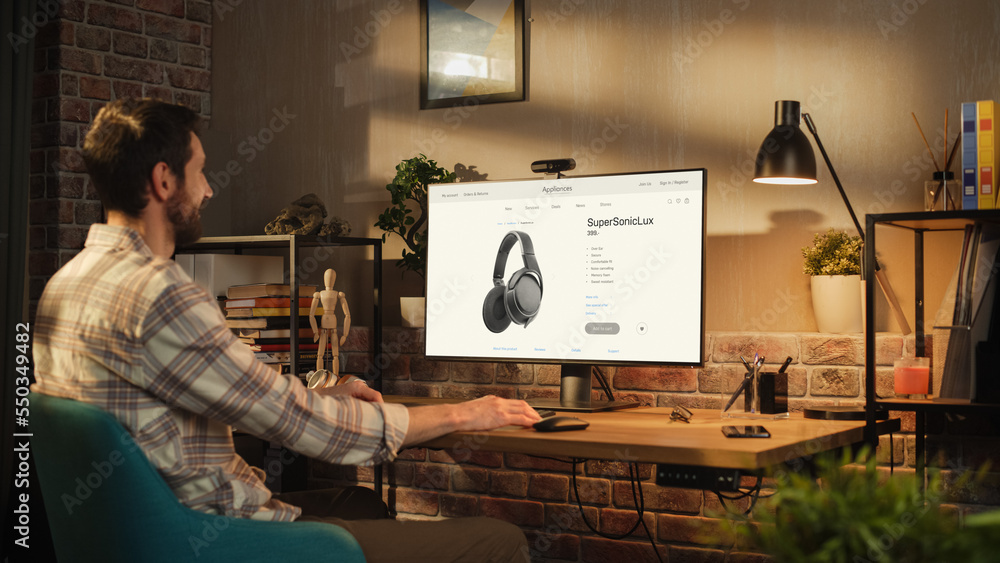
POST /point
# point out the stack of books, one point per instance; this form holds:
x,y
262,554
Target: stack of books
x,y
980,155
260,316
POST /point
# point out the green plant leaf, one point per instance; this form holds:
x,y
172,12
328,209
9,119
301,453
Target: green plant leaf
x,y
834,253
851,512
408,216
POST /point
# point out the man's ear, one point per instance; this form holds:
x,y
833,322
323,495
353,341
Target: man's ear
x,y
163,182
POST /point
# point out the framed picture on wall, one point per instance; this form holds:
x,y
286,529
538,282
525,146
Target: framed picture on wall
x,y
471,52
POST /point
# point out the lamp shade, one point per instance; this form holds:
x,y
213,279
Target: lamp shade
x,y
785,156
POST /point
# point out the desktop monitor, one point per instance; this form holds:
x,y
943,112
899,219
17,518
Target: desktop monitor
x,y
576,271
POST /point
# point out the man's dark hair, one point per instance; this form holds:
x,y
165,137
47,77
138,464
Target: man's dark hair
x,y
127,139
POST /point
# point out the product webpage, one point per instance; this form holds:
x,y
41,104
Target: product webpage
x,y
616,276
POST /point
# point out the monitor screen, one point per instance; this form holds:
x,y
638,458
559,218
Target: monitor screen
x,y
581,270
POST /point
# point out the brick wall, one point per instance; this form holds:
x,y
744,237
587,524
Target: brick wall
x,y
537,494
87,54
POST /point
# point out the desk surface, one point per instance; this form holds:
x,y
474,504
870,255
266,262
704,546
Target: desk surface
x,y
646,434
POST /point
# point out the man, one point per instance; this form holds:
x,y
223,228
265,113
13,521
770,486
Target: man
x,y
121,326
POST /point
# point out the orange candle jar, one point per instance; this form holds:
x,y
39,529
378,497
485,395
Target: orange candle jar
x,y
911,376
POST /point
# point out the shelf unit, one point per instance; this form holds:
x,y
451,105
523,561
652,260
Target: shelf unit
x,y
918,223
294,244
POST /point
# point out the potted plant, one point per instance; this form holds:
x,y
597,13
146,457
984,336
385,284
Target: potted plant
x,y
834,264
853,513
407,217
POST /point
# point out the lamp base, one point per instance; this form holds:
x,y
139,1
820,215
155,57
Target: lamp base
x,y
841,413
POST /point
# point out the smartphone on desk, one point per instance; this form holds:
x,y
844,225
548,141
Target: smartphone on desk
x,y
748,431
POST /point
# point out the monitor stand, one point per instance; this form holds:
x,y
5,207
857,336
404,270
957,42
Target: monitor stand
x,y
574,393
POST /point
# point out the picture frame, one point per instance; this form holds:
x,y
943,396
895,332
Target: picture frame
x,y
471,52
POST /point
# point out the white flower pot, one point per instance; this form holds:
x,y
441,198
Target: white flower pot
x,y
838,304
412,309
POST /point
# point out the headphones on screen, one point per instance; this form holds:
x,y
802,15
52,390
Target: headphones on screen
x,y
519,299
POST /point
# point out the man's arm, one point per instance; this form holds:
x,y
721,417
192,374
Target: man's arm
x,y
194,363
237,390
486,413
430,421
357,389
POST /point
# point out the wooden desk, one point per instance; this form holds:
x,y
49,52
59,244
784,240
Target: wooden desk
x,y
647,434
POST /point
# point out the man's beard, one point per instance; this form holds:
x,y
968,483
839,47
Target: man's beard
x,y
185,218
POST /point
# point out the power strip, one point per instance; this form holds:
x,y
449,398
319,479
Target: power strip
x,y
697,477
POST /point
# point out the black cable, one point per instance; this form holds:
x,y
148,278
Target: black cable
x,y
892,456
753,493
551,458
768,495
756,496
633,466
638,498
583,516
604,382
742,494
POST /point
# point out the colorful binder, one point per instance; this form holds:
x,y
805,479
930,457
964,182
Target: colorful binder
x,y
988,153
970,158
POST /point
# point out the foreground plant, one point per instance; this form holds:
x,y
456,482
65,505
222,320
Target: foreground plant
x,y
852,514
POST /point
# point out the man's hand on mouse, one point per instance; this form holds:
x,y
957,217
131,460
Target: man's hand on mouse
x,y
489,412
485,413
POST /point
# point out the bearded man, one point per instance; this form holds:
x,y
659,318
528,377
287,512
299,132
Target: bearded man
x,y
122,327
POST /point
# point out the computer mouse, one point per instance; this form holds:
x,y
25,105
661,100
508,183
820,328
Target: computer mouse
x,y
560,423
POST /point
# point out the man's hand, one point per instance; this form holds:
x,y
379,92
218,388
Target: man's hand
x,y
357,389
485,413
489,412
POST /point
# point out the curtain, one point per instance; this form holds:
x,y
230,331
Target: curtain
x,y
16,54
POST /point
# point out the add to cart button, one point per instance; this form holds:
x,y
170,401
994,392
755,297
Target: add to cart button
x,y
601,328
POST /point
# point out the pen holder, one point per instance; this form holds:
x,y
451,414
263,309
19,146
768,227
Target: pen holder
x,y
772,391
754,392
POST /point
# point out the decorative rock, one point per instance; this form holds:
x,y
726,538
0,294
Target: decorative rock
x,y
303,217
337,227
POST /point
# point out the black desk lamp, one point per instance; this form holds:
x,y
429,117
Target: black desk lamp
x,y
786,157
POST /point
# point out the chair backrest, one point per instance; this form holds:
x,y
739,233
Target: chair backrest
x,y
106,502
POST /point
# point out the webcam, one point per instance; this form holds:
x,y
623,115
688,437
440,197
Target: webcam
x,y
553,166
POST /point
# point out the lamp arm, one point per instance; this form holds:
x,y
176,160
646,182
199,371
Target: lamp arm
x,y
812,129
883,282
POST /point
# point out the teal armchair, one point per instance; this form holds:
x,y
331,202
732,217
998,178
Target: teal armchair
x,y
106,502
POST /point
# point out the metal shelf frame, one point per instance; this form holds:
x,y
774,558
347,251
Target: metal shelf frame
x,y
294,244
919,223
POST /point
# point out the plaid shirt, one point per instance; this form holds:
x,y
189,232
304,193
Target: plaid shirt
x,y
127,331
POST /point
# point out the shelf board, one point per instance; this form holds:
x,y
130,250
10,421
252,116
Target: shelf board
x,y
961,406
934,220
274,241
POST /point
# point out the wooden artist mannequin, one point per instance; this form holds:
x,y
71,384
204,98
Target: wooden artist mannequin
x,y
327,329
